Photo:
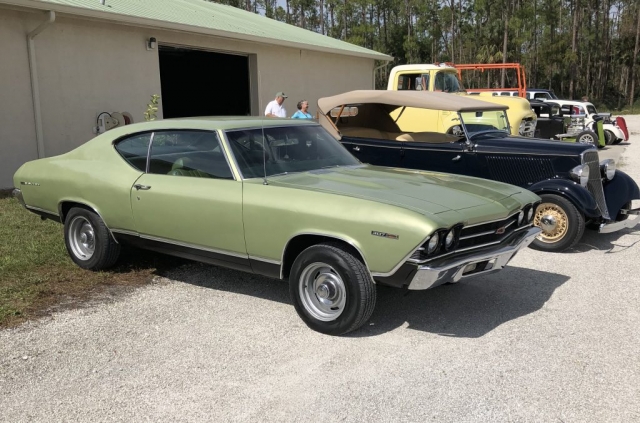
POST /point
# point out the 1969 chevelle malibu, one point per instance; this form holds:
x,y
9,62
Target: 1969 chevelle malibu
x,y
279,198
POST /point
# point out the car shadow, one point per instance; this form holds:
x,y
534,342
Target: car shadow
x,y
610,243
468,309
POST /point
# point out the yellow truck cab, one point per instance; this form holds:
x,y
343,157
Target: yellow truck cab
x,y
443,77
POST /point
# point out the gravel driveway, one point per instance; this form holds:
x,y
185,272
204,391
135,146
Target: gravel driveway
x,y
553,338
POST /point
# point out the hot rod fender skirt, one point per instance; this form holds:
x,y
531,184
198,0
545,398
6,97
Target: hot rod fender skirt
x,y
572,191
619,191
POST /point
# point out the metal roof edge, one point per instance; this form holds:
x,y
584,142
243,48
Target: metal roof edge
x,y
158,24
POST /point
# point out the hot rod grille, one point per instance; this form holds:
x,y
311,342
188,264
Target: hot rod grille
x,y
520,171
595,181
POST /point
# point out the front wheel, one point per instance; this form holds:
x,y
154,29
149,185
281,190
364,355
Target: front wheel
x,y
588,137
88,240
617,141
609,137
561,223
331,289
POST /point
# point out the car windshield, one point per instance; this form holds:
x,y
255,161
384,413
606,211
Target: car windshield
x,y
477,123
287,149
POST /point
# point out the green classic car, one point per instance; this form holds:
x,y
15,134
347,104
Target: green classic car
x,y
280,198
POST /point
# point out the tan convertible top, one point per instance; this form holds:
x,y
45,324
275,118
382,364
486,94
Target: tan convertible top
x,y
419,99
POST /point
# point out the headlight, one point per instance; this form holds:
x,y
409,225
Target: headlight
x,y
530,214
580,174
450,238
520,217
608,169
432,246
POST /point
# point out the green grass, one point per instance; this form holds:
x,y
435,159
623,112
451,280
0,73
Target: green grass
x,y
36,274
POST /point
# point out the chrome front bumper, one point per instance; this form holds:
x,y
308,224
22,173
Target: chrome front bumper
x,y
607,228
487,260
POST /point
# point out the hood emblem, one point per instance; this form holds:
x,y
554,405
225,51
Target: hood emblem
x,y
384,235
500,231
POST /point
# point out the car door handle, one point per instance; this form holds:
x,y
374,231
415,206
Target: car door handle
x,y
142,187
456,158
356,148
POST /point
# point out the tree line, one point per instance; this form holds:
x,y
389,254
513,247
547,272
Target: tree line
x,y
575,47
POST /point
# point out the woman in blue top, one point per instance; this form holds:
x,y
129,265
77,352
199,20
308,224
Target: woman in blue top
x,y
302,113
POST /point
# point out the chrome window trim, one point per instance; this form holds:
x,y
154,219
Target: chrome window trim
x,y
146,169
233,156
126,137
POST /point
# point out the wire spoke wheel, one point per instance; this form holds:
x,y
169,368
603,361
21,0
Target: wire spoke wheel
x,y
553,221
82,238
322,292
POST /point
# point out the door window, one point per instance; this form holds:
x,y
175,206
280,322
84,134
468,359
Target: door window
x,y
134,150
188,153
413,82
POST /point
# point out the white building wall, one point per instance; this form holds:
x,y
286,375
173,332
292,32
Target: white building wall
x,y
86,67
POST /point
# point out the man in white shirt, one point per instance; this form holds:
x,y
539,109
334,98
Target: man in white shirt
x,y
275,107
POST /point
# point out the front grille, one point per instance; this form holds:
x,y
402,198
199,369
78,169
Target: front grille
x,y
485,233
521,171
595,182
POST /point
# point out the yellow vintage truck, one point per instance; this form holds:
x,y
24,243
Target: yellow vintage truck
x,y
443,77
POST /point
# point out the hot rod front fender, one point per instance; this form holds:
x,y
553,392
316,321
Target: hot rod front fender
x,y
572,191
619,191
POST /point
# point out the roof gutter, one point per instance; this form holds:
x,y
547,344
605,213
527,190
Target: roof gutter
x,y
123,19
35,88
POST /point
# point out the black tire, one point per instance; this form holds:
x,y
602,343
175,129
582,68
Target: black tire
x,y
588,137
104,252
609,137
358,291
622,217
618,141
573,219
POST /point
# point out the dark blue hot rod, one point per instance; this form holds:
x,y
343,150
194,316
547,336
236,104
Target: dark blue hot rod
x,y
471,137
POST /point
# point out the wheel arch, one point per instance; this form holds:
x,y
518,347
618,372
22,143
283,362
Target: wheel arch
x,y
577,194
300,242
64,206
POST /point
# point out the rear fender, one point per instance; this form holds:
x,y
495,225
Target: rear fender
x,y
619,191
572,191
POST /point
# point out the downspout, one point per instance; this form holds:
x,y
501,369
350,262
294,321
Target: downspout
x,y
386,63
35,89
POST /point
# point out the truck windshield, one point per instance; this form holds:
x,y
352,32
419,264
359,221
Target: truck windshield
x,y
447,82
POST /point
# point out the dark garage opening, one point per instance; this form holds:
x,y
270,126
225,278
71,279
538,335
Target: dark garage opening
x,y
203,83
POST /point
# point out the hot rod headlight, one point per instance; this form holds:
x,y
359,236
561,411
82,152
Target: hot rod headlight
x,y
520,217
608,169
581,174
530,214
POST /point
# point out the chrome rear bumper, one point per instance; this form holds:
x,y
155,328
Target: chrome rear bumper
x,y
18,194
474,263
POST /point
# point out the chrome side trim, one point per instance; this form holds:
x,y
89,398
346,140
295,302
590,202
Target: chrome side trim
x,y
42,210
125,232
265,260
195,247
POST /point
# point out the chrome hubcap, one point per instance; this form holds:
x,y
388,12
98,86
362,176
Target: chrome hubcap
x,y
322,292
553,221
81,238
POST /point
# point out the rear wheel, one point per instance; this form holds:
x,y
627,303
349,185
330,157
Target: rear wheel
x,y
618,141
609,137
561,223
331,289
88,240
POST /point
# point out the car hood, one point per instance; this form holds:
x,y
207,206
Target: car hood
x,y
421,191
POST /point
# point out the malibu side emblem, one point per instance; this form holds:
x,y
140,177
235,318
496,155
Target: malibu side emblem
x,y
500,231
384,235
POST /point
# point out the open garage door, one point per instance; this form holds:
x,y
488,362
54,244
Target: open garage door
x,y
203,83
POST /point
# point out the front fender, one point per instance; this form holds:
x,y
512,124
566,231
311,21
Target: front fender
x,y
572,191
619,191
